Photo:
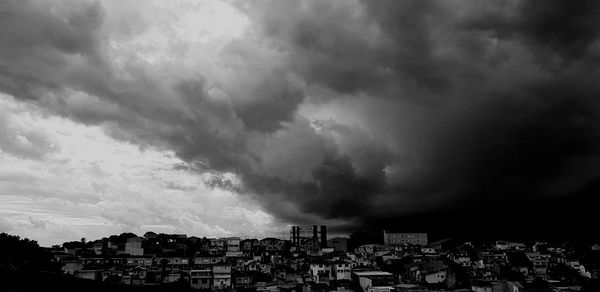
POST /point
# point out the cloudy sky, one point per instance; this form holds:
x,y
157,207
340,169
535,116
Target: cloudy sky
x,y
242,117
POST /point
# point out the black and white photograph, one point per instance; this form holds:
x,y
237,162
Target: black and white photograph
x,y
300,145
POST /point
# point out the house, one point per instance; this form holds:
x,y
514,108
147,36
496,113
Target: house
x,y
435,276
71,266
483,286
242,280
403,287
207,262
270,244
89,274
461,258
369,279
247,245
320,271
173,263
172,276
341,270
217,246
221,276
505,245
233,244
99,247
201,279
139,261
390,238
137,275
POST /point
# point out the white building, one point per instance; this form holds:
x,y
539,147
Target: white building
x,y
133,246
435,277
320,271
404,238
341,270
374,280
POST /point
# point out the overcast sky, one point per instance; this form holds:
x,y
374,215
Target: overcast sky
x,y
242,117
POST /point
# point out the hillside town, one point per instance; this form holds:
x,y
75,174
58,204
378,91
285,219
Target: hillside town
x,y
310,261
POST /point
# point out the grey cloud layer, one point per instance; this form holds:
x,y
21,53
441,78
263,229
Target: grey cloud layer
x,y
420,106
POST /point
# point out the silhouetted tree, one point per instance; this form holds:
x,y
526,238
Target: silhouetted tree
x,y
24,254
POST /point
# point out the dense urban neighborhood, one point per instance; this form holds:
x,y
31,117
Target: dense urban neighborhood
x,y
310,261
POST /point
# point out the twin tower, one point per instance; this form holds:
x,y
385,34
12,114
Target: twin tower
x,y
299,234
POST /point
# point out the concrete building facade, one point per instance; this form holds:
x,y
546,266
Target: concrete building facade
x,y
390,238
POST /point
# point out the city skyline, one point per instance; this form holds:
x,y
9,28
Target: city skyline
x,y
226,118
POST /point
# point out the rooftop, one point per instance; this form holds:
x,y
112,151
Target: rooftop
x,y
372,273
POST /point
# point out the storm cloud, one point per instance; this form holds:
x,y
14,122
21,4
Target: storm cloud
x,y
357,113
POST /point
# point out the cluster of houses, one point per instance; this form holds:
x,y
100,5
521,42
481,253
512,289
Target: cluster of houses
x,y
308,261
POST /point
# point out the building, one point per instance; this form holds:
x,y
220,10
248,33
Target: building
x,y
73,266
404,238
320,271
371,279
341,270
201,279
434,277
505,245
242,280
233,244
221,276
270,244
208,261
338,244
133,246
139,261
298,234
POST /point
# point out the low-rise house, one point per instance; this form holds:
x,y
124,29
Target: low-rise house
x,y
320,271
221,276
270,244
483,286
175,275
201,279
137,275
173,263
89,274
461,258
140,261
71,266
434,276
506,245
341,270
242,280
208,262
370,279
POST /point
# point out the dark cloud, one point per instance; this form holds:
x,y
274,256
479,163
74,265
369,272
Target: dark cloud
x,y
373,113
566,28
495,122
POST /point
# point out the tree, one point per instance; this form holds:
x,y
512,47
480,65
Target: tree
x,y
24,254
